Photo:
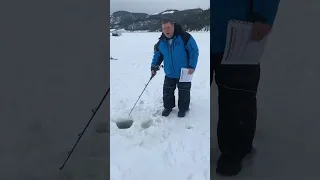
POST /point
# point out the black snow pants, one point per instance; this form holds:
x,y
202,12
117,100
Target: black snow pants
x,y
237,89
169,87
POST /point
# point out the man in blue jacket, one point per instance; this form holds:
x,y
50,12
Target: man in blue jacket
x,y
237,84
176,49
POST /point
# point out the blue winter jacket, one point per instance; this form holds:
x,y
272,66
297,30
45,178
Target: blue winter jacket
x,y
246,10
176,55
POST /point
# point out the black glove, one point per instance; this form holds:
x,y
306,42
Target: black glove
x,y
155,68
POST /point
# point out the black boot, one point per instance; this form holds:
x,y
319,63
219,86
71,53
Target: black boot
x,y
166,112
228,166
182,113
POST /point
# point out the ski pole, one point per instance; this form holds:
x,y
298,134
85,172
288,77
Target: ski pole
x,y
80,134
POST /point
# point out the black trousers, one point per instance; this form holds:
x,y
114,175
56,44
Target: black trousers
x,y
237,89
169,87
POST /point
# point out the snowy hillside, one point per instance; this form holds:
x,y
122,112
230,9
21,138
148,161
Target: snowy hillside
x,y
190,19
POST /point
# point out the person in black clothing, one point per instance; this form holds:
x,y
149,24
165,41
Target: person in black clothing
x,y
176,49
237,84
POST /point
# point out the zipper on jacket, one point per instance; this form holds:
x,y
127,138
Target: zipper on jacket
x,y
170,47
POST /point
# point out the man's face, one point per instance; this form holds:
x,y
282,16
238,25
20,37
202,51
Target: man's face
x,y
168,29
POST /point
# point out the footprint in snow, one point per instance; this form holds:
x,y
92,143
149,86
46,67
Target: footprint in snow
x,y
146,124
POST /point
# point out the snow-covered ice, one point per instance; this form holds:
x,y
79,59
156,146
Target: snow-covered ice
x,y
156,147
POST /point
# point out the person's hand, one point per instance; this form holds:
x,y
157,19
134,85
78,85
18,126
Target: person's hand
x,y
153,73
191,70
154,69
259,31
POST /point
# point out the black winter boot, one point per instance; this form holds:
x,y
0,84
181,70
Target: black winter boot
x,y
166,112
228,166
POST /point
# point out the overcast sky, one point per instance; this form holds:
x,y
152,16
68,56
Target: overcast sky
x,y
156,6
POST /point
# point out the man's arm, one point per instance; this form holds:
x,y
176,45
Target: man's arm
x,y
157,57
193,50
265,11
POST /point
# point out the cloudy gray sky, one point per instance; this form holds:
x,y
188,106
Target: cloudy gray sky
x,y
156,6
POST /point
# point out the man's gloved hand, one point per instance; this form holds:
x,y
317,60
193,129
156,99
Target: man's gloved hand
x,y
154,69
